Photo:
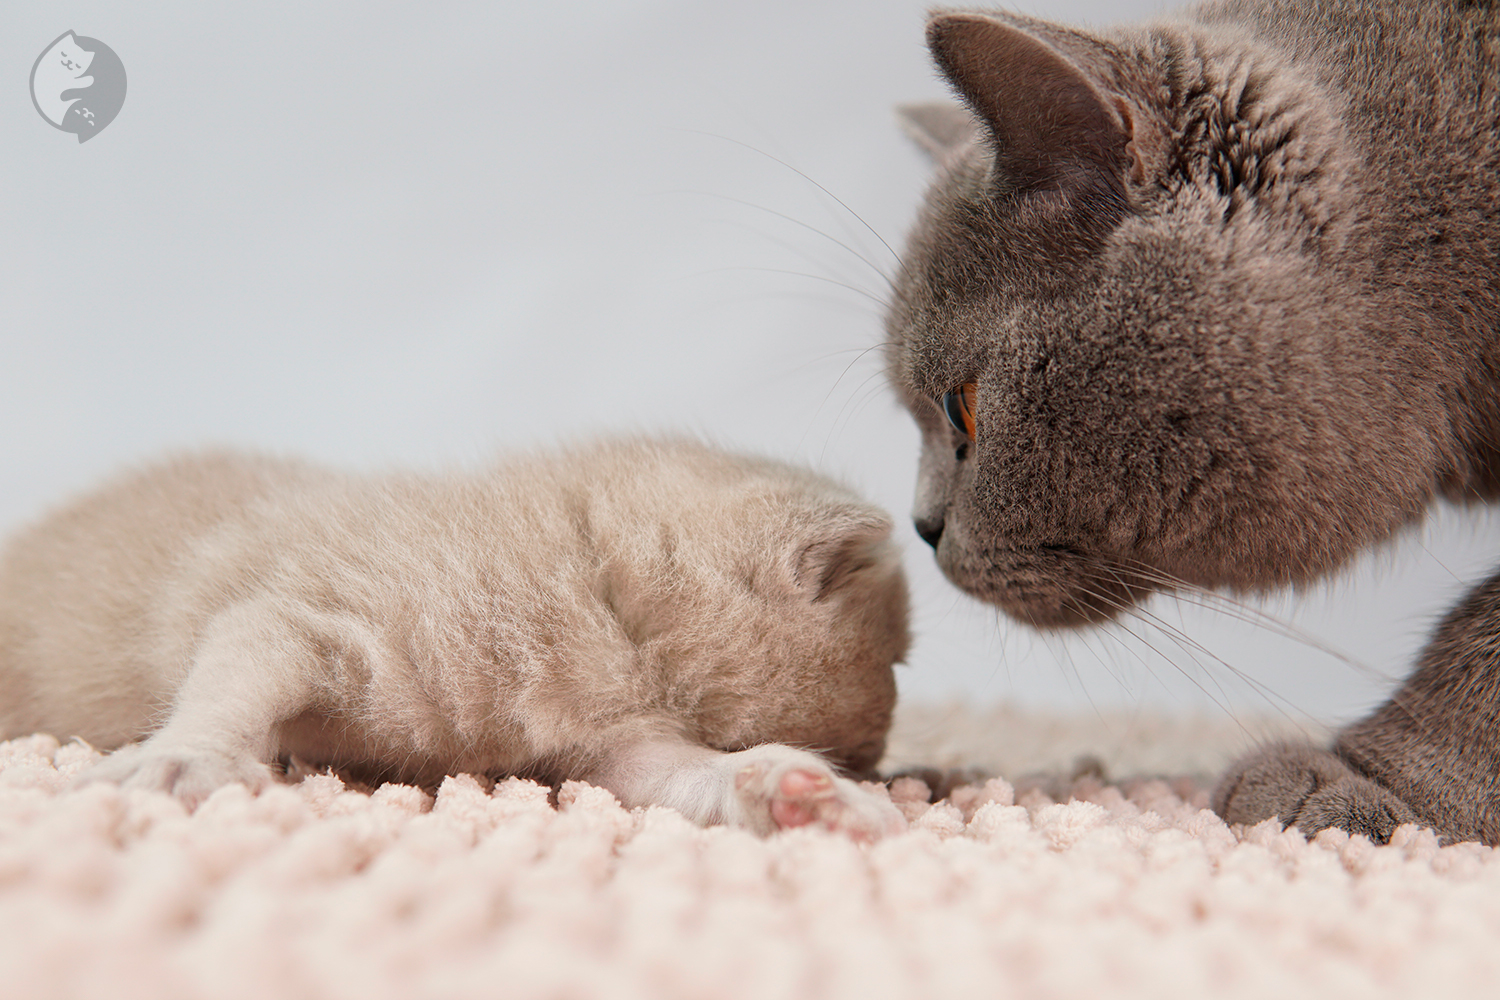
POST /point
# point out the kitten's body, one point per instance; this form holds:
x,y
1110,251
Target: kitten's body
x,y
639,614
1225,288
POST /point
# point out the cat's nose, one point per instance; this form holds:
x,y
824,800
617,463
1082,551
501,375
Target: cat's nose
x,y
930,528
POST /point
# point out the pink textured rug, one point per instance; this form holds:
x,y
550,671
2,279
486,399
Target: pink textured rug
x,y
314,890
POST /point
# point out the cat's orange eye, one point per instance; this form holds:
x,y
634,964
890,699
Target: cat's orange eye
x,y
959,406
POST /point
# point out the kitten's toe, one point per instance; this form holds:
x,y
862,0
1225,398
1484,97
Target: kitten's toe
x,y
780,795
797,796
189,776
1310,789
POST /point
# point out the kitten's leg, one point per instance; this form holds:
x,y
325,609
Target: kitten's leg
x,y
764,789
1430,755
250,671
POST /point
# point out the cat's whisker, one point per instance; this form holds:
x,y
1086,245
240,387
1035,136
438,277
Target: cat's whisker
x,y
837,200
861,351
847,369
1104,664
834,388
796,222
857,308
801,274
1179,637
1109,602
1242,611
1291,632
1442,565
817,263
1187,644
870,388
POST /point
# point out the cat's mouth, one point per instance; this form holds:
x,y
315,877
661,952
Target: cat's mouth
x,y
1049,586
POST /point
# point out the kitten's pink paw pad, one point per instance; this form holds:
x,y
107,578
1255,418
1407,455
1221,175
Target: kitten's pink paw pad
x,y
796,800
790,796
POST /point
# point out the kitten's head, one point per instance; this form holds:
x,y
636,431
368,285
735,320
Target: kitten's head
x,y
767,601
1130,325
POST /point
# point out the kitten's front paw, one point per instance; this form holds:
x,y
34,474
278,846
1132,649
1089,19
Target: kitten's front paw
x,y
1308,788
778,792
190,776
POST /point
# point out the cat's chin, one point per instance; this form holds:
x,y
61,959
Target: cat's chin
x,y
1049,587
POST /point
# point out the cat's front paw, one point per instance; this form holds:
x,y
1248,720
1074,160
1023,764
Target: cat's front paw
x,y
780,792
1310,789
191,776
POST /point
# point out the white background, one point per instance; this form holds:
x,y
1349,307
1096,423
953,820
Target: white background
x,y
387,233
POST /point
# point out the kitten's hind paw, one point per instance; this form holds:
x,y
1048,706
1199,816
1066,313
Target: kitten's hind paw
x,y
780,791
1310,789
188,775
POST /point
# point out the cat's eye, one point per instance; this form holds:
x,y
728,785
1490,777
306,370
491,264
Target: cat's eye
x,y
959,407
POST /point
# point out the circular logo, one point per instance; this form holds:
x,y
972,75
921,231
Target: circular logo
x,y
78,85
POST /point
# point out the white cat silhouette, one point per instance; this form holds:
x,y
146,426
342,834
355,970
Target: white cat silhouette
x,y
62,68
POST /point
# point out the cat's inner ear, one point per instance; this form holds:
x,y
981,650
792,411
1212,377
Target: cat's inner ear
x,y
1052,127
843,545
938,128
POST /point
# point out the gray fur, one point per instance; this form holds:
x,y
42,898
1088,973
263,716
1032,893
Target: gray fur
x,y
1226,284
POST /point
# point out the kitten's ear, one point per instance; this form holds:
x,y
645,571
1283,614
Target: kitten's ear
x,y
843,544
938,128
1052,127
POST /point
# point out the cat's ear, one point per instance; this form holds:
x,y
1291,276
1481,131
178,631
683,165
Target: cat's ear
x,y
938,128
843,544
1052,126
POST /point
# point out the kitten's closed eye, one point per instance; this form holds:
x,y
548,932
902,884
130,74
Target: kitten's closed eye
x,y
958,404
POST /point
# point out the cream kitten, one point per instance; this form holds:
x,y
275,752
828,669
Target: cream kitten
x,y
676,624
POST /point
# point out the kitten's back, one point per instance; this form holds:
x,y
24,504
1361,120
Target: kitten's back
x,y
98,628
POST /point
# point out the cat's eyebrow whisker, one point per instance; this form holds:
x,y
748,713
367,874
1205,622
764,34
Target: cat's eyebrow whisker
x,y
860,356
720,301
839,201
870,388
859,353
796,222
1444,566
801,274
800,252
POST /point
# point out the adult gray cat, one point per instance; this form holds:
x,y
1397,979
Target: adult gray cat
x,y
1212,302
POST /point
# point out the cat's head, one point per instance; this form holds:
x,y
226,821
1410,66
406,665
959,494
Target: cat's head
x,y
768,601
1130,324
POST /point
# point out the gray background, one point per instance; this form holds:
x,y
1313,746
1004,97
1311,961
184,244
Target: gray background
x,y
378,233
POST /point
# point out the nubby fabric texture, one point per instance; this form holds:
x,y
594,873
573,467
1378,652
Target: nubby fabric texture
x,y
319,890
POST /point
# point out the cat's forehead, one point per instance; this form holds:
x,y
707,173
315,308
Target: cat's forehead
x,y
983,279
932,350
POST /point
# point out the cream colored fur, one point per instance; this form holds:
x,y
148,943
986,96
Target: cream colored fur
x,y
679,625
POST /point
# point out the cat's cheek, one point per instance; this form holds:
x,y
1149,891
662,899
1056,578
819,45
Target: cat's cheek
x,y
1042,586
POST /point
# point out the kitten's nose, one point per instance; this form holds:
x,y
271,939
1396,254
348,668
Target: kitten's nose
x,y
930,528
